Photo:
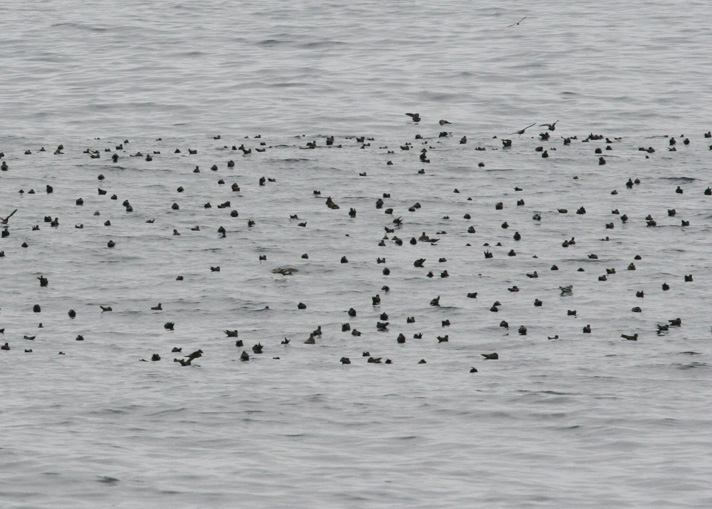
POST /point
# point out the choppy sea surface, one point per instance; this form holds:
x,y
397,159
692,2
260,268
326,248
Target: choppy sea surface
x,y
563,418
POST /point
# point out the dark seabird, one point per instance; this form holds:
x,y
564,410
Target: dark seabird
x,y
4,220
521,131
195,355
517,24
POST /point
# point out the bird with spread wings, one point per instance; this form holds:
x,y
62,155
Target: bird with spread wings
x,y
4,220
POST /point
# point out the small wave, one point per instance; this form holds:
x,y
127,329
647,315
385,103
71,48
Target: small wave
x,y
271,42
107,479
81,26
691,365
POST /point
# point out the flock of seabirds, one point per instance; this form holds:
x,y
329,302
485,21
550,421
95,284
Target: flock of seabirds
x,y
393,225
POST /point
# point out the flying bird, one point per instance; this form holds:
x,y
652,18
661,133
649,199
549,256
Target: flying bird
x,y
4,220
517,23
521,131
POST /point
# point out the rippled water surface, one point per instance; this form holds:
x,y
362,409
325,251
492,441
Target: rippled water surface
x,y
562,419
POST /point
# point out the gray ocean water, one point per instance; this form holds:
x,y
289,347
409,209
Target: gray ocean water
x,y
580,420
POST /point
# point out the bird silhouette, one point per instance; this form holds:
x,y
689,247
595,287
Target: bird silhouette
x,y
517,23
521,131
4,220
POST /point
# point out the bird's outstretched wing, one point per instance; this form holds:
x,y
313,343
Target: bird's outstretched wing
x,y
521,131
517,23
6,219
